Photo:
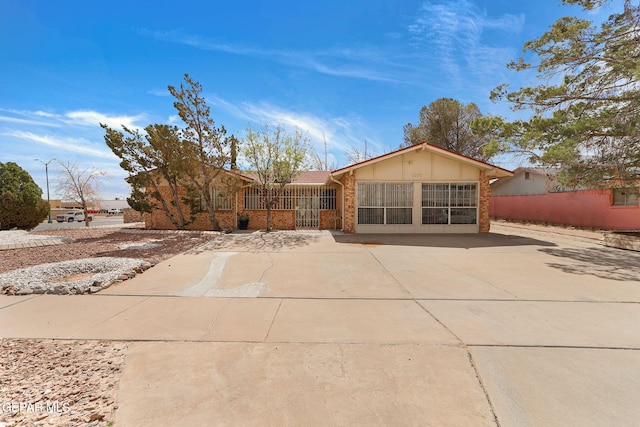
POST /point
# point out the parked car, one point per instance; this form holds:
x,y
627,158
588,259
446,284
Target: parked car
x,y
114,211
72,216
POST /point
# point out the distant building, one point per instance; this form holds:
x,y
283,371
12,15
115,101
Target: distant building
x,y
105,205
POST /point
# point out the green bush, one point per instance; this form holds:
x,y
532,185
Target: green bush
x,y
21,204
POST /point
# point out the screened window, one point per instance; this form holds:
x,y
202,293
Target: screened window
x,y
385,203
449,203
321,198
625,197
252,199
221,201
328,199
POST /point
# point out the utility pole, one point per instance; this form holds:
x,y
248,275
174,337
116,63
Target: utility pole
x,y
46,171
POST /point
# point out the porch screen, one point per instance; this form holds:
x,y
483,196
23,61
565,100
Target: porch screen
x,y
449,203
385,203
221,201
293,198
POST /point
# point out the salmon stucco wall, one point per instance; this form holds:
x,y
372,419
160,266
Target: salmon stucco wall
x,y
587,208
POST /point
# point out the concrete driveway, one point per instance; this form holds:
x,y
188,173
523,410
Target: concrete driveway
x,y
517,327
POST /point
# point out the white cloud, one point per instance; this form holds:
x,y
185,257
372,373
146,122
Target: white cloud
x,y
71,118
93,118
17,120
340,132
75,145
454,31
159,92
44,114
362,63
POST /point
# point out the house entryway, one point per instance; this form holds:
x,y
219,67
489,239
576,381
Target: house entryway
x,y
308,208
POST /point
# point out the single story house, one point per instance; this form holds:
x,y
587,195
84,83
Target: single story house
x,y
534,195
418,189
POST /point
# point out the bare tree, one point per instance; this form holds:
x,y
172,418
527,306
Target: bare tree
x,y
321,162
79,184
357,154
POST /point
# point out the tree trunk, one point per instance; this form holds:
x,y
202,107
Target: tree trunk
x,y
86,214
180,224
215,226
268,217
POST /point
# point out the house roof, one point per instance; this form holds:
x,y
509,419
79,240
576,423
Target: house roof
x,y
238,174
492,170
311,178
303,178
548,173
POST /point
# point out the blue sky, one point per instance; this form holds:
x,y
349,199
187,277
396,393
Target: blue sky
x,y
351,70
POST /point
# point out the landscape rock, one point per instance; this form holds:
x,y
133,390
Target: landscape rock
x,y
77,379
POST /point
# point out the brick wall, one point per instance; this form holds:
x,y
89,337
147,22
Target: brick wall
x,y
280,219
158,220
131,215
484,221
349,182
330,220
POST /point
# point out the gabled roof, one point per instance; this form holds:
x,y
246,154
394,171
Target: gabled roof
x,y
548,174
303,178
492,170
238,174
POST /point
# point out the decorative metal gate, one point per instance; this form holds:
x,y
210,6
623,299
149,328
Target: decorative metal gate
x,y
308,208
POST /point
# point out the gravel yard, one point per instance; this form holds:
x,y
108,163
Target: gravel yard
x,y
149,246
72,383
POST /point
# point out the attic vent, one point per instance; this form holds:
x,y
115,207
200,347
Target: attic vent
x,y
526,175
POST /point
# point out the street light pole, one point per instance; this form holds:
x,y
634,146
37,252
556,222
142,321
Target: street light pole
x,y
46,171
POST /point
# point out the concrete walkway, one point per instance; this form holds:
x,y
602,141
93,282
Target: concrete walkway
x,y
518,327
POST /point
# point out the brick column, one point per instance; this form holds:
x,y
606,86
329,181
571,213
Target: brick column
x,y
484,223
349,182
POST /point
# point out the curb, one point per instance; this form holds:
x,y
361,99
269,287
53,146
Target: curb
x,y
33,244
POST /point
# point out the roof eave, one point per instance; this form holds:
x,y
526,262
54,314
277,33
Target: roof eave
x,y
491,171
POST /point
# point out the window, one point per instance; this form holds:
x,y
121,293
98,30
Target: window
x,y
221,201
385,203
328,199
449,203
625,197
252,199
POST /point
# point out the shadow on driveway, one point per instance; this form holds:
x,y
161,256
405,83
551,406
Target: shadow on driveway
x,y
259,241
606,263
462,241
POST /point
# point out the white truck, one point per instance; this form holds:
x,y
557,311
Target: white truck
x,y
72,216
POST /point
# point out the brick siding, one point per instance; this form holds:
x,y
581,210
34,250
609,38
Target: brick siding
x,y
484,221
349,182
